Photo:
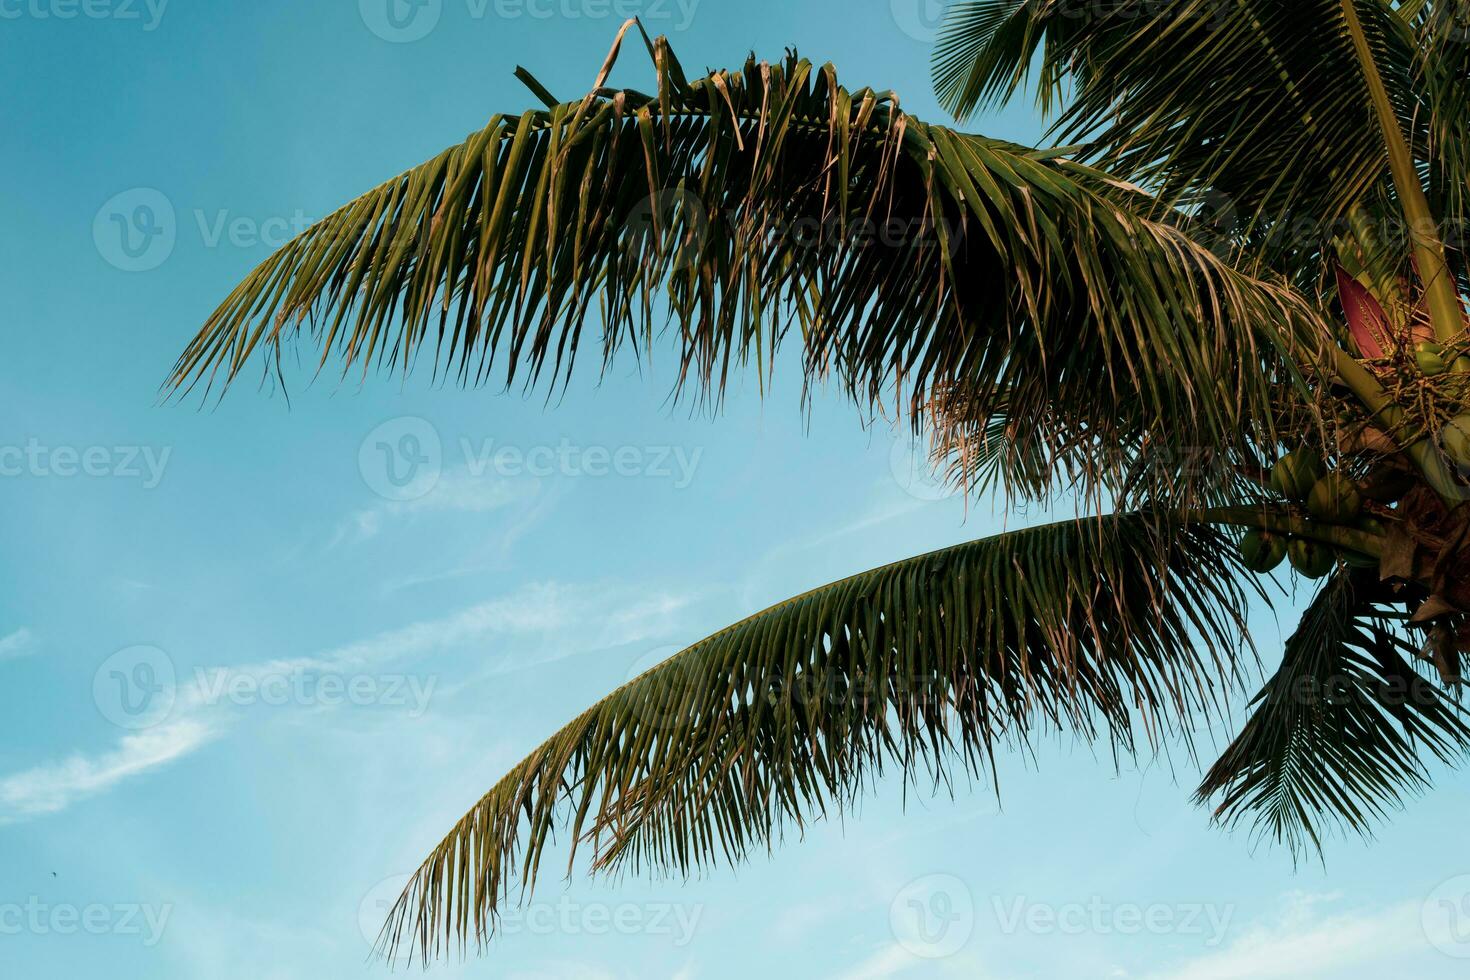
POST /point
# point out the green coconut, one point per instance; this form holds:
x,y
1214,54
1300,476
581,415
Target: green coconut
x,y
1335,499
1430,358
1455,438
1462,365
1294,474
1310,558
1262,551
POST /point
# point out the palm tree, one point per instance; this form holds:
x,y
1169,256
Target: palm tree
x,y
1224,316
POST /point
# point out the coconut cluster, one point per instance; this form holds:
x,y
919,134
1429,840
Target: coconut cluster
x,y
1331,497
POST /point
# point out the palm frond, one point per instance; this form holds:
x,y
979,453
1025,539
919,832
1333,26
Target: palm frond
x,y
1443,81
1254,108
924,666
1342,730
732,207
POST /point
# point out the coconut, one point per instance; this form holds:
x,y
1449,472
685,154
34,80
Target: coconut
x,y
1430,358
1262,551
1335,499
1295,473
1310,558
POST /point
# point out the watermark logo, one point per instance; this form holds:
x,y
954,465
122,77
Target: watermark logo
x,y
1445,917
135,688
1103,918
402,459
244,231
676,921
135,230
919,19
138,229
400,21
149,13
676,465
39,460
933,916
914,470
310,686
37,918
670,15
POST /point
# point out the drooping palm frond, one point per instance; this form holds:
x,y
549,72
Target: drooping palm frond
x,y
1254,107
923,666
1444,84
912,258
1341,731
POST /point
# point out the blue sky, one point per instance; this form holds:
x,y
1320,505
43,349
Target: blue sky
x,y
341,661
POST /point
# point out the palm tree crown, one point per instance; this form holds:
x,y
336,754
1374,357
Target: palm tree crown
x,y
1231,306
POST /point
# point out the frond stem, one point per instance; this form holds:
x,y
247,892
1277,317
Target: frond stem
x,y
1278,521
1445,308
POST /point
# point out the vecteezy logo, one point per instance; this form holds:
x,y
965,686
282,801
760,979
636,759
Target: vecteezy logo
x,y
135,230
373,911
135,687
919,19
1446,917
914,470
933,917
401,459
400,21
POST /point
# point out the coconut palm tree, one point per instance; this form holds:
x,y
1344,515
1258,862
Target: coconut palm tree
x,y
1223,316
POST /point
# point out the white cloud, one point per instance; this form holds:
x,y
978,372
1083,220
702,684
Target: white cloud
x,y
1302,945
48,789
21,643
551,611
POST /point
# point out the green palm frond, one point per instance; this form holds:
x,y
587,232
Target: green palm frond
x,y
1444,83
734,206
1341,731
1255,107
923,666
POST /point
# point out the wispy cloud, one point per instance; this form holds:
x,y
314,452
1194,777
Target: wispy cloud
x,y
551,614
561,615
49,789
1303,944
21,643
